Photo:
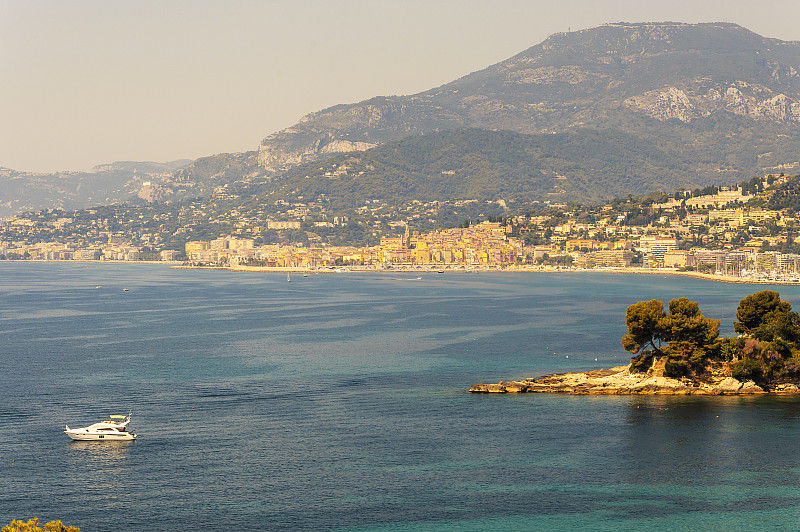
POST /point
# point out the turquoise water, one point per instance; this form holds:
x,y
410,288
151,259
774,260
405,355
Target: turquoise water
x,y
337,402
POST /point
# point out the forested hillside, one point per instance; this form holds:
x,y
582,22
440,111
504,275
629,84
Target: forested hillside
x,y
582,165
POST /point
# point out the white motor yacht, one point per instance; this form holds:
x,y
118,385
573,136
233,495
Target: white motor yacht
x,y
115,428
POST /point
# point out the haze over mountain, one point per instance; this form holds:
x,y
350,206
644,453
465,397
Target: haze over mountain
x,y
116,182
666,82
629,108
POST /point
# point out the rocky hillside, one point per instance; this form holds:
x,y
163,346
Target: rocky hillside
x,y
698,83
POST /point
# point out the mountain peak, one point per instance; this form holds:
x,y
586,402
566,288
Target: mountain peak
x,y
673,82
628,38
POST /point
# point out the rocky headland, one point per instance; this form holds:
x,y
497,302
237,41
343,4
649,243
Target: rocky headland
x,y
679,352
621,381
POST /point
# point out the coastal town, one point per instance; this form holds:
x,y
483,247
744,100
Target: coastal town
x,y
736,231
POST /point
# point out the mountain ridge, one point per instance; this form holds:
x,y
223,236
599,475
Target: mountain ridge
x,y
721,97
607,76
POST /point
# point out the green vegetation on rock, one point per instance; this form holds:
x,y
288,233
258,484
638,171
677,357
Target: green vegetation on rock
x,y
686,344
689,336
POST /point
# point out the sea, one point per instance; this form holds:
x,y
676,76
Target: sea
x,y
338,401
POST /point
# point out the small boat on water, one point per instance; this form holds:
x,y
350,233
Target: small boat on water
x,y
288,279
115,428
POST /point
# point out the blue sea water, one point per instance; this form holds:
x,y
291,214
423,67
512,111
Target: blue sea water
x,y
338,402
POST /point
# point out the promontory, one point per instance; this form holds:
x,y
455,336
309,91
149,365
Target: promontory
x,y
679,352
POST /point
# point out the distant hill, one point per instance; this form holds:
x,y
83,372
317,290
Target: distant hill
x,y
144,167
715,87
105,184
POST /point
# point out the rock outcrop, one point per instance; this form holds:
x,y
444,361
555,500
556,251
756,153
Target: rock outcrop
x,y
274,159
701,97
620,380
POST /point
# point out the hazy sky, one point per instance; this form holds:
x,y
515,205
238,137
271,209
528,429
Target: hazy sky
x,y
85,82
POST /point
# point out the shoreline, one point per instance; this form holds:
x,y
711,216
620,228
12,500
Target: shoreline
x,y
699,275
620,381
439,270
445,270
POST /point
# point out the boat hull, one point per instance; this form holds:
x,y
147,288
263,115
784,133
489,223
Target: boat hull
x,y
84,435
112,429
